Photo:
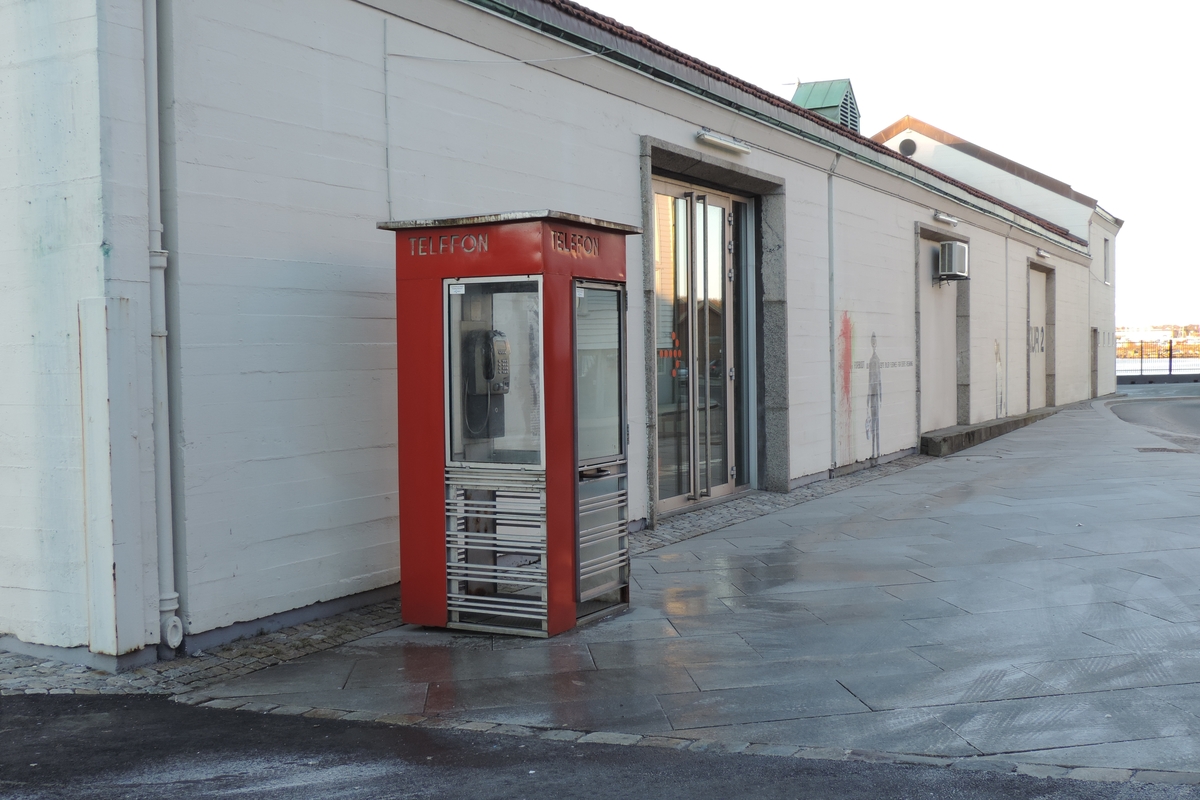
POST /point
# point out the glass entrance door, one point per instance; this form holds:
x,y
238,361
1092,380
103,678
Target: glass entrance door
x,y
694,272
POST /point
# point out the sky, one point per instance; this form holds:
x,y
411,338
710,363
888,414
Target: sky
x,y
1101,95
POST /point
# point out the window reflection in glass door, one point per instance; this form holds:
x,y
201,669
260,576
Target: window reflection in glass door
x,y
693,342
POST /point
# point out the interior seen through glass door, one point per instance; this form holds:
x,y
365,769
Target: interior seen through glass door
x,y
693,337
603,545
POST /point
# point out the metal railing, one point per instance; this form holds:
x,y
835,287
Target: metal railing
x,y
1167,357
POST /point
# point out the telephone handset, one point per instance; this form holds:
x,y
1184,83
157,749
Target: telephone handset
x,y
486,362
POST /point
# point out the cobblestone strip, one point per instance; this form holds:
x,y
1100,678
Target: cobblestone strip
x,y
681,527
21,674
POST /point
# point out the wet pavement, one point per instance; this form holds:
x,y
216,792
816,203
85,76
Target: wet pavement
x,y
146,747
1034,599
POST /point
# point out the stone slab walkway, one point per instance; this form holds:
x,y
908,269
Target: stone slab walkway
x,y
23,674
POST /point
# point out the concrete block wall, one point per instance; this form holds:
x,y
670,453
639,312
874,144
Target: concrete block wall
x,y
283,308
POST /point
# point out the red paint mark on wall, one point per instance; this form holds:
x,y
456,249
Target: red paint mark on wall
x,y
844,339
844,414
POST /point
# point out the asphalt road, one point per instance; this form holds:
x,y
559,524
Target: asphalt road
x,y
1179,415
143,747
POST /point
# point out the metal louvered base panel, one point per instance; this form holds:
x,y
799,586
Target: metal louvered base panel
x,y
496,550
603,532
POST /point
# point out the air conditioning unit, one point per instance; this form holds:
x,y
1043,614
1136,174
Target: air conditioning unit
x,y
952,262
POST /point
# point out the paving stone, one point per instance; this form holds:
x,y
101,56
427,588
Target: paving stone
x,y
401,719
611,738
513,730
477,726
783,750
325,713
229,702
665,741
984,765
716,746
1042,770
1102,774
292,711
559,735
822,753
259,708
928,761
362,716
1172,778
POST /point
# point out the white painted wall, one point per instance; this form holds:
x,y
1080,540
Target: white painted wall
x,y
939,363
873,256
77,529
988,290
50,234
997,182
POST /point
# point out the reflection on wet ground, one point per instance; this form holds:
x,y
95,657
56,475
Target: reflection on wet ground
x,y
1038,595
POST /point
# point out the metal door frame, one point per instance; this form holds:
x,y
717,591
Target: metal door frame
x,y
698,367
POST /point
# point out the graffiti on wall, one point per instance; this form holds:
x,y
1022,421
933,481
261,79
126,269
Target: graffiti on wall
x,y
999,381
845,407
874,398
1037,338
859,388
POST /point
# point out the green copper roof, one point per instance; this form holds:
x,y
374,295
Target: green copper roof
x,y
821,94
833,99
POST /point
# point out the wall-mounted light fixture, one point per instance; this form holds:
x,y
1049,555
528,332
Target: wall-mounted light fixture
x,y
1042,253
727,144
939,216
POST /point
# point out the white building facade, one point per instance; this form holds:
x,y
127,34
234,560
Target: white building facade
x,y
197,320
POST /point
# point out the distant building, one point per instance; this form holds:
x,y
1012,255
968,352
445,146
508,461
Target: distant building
x,y
1153,334
198,419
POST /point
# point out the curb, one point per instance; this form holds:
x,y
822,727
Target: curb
x,y
765,749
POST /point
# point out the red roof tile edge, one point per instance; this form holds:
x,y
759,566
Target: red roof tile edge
x,y
610,25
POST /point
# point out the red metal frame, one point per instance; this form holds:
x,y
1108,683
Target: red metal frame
x,y
561,249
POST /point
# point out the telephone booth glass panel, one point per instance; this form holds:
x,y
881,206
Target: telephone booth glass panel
x,y
495,371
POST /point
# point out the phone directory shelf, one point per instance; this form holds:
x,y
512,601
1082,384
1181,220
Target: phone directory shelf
x,y
513,474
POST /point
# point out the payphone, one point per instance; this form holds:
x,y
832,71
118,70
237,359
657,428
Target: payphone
x,y
485,382
513,470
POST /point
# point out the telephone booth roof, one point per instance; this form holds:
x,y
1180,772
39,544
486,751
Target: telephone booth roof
x,y
527,242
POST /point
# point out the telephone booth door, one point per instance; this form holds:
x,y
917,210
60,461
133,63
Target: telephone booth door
x,y
601,434
496,542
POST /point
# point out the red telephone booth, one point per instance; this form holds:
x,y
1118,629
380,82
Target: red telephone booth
x,y
510,334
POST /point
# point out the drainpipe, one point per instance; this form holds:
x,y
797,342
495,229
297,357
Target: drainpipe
x,y
833,366
171,628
